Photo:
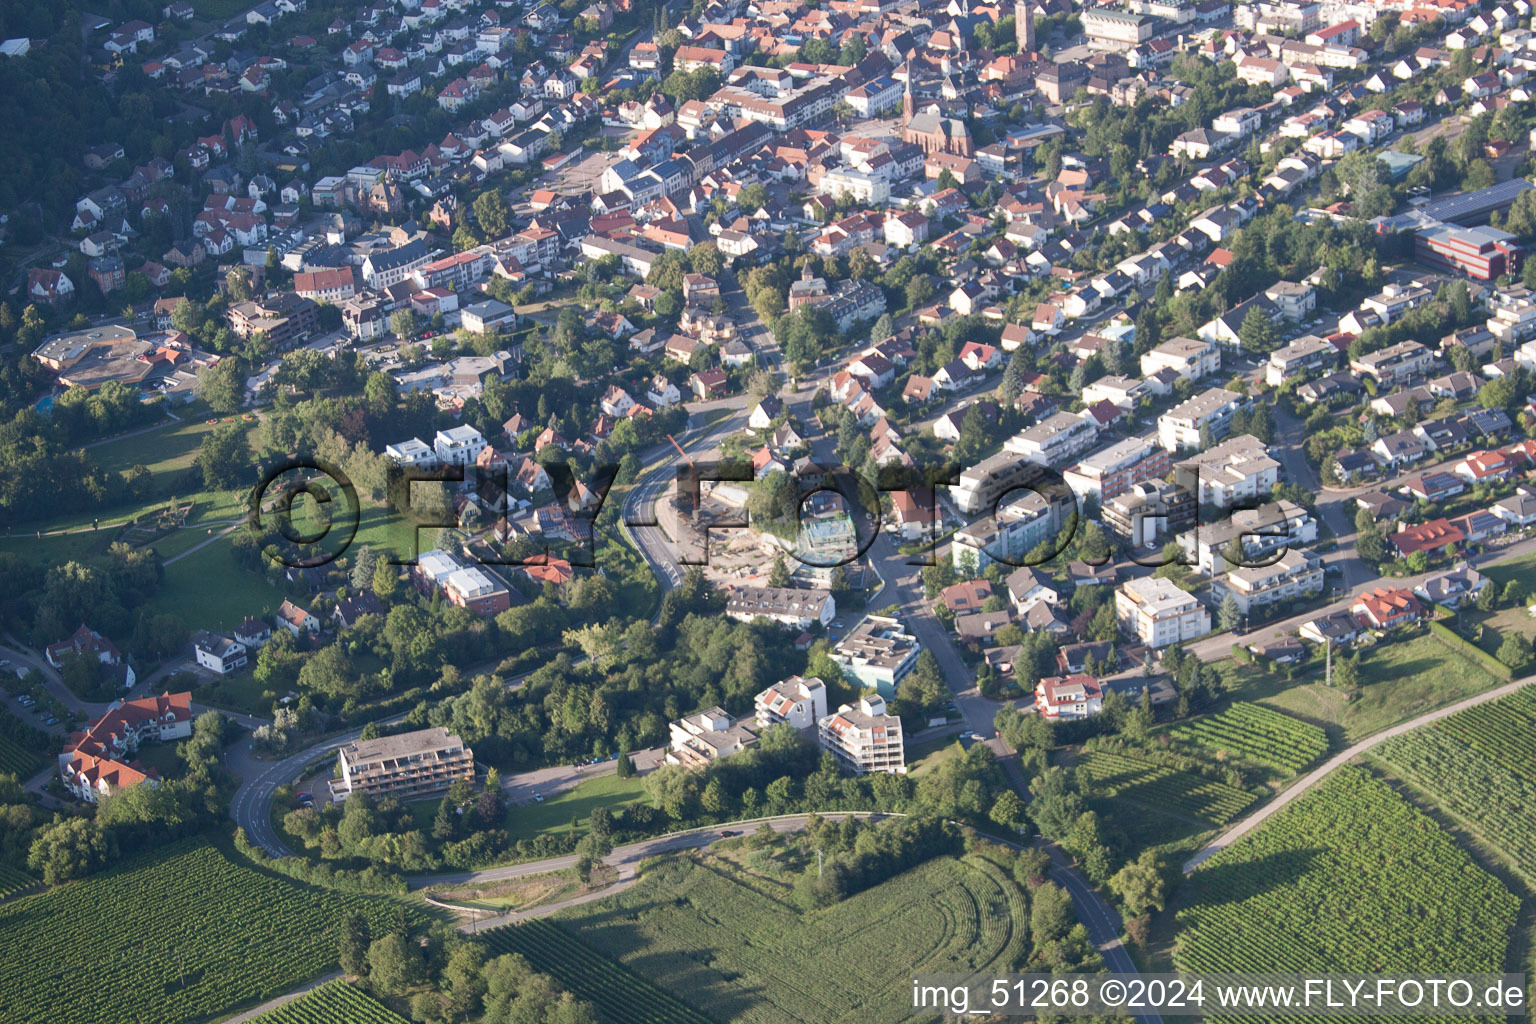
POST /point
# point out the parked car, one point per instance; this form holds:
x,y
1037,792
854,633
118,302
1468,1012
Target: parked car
x,y
538,797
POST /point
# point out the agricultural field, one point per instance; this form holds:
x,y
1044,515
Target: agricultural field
x,y
620,996
733,947
1481,764
1127,775
1255,734
13,881
1350,878
207,934
335,1002
22,747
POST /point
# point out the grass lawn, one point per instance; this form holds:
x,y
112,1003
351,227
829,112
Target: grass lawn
x,y
208,590
162,757
516,893
1497,625
238,692
1400,679
555,814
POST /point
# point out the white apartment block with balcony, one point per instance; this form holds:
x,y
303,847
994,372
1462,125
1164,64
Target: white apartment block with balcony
x,y
702,739
1190,358
458,446
1054,440
1179,428
1273,526
800,702
407,765
864,738
1304,355
1018,528
1295,573
1238,469
1112,471
878,653
1158,613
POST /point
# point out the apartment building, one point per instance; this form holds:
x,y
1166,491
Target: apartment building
x,y
1149,511
1302,356
980,487
1238,469
878,653
410,764
1295,573
1017,528
1395,363
702,739
95,762
1111,471
864,738
458,446
791,607
1190,358
800,702
1070,697
1158,613
1273,526
476,589
1055,440
1180,427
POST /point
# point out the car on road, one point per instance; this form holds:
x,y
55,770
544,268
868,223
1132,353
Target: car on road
x,y
538,798
728,833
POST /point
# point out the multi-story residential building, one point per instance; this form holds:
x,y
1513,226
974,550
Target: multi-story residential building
x,y
1387,608
1158,613
218,653
94,763
458,446
1273,526
800,702
1395,363
1239,469
1148,511
1190,358
1054,440
1111,471
478,590
414,453
1513,321
1294,574
410,764
702,739
285,319
1302,356
983,484
878,653
1181,427
792,607
864,738
1073,696
1017,528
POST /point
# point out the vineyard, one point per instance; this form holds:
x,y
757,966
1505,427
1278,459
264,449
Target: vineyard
x,y
176,937
1350,878
619,995
13,881
1258,734
1128,776
335,1002
21,747
696,929
1482,764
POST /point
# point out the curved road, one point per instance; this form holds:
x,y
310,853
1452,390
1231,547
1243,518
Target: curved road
x,y
1321,772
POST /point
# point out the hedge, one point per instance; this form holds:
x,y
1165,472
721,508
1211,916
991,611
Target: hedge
x,y
1471,651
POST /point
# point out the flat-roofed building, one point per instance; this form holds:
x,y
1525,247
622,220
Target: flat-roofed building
x,y
864,738
1190,358
1017,528
1238,469
1295,573
1149,510
1111,471
800,702
1181,427
702,739
1054,440
1158,613
792,607
878,653
407,765
476,589
1304,355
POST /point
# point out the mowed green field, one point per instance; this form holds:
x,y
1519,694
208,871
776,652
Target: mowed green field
x,y
179,935
1400,679
737,953
1350,878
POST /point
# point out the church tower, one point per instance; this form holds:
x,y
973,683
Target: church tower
x,y
1024,28
906,98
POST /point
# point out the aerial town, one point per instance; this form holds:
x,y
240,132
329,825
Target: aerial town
x,y
517,511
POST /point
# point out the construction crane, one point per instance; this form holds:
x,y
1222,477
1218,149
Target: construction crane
x,y
693,490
